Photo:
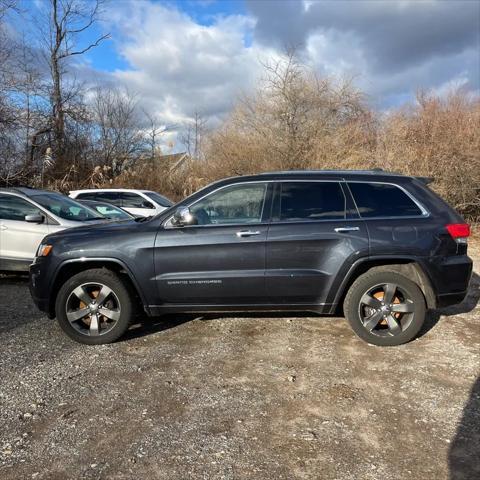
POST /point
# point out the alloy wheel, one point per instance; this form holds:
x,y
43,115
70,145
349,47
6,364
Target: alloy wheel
x,y
386,310
93,309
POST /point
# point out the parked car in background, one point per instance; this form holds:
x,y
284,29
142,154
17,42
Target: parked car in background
x,y
27,215
141,203
108,210
383,248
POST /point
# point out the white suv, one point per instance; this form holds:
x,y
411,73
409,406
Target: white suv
x,y
141,203
27,215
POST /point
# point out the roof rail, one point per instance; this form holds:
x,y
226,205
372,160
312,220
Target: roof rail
x,y
426,180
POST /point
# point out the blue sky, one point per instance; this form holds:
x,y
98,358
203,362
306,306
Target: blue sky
x,y
184,56
204,12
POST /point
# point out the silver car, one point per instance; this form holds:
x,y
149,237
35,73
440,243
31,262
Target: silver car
x,y
27,215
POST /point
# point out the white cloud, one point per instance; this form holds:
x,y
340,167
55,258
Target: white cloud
x,y
178,66
332,53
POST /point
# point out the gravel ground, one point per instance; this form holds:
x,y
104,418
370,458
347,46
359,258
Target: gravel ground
x,y
239,397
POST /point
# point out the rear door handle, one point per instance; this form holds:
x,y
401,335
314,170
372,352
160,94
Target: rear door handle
x,y
247,233
3,227
346,229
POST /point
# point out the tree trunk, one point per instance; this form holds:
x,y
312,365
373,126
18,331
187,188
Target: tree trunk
x,y
57,104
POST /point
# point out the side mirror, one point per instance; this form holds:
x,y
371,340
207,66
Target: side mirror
x,y
147,204
182,217
34,218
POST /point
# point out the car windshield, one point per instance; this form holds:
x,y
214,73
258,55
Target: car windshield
x,y
156,197
65,207
109,211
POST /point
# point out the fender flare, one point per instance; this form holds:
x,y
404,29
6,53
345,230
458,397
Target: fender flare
x,y
108,260
400,263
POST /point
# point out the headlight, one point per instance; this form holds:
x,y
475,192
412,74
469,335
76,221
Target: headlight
x,y
44,250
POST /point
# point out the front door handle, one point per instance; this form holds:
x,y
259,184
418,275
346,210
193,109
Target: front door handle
x,y
247,233
3,227
346,229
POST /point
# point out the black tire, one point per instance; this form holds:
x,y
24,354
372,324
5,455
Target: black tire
x,y
364,304
118,303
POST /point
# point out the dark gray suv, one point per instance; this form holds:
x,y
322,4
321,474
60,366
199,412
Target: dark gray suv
x,y
381,247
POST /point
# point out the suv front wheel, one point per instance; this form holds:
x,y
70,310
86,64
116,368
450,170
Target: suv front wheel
x,y
94,307
385,308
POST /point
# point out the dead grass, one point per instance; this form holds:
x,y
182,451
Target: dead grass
x,y
296,120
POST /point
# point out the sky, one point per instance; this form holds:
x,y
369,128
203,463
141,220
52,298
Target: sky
x,y
184,56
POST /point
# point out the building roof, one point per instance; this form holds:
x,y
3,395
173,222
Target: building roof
x,y
173,160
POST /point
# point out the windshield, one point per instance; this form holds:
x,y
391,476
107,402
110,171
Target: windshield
x,y
65,207
156,197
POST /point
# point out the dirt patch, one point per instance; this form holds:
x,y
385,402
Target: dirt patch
x,y
239,397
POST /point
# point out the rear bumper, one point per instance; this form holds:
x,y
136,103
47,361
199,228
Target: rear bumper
x,y
450,277
451,299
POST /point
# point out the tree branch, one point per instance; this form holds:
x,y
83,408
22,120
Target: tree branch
x,y
80,52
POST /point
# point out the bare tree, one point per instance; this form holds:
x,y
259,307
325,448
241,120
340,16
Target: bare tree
x,y
68,20
10,112
290,121
294,108
119,135
7,6
7,49
154,130
193,134
29,88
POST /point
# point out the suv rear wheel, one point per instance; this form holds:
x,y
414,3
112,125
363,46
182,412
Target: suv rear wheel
x,y
385,308
94,307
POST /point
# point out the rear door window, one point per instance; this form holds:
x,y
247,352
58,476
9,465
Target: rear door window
x,y
109,197
300,201
382,200
132,200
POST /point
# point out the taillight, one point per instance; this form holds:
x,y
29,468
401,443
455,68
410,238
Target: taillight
x,y
459,231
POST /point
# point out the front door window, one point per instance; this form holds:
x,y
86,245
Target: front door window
x,y
233,205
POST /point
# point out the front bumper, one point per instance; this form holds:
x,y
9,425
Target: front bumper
x,y
40,285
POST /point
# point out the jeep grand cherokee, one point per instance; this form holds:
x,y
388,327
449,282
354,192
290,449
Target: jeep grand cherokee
x,y
382,247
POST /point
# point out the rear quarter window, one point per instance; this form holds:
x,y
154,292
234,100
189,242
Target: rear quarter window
x,y
383,200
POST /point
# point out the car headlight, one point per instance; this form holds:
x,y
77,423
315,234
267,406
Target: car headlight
x,y
44,250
